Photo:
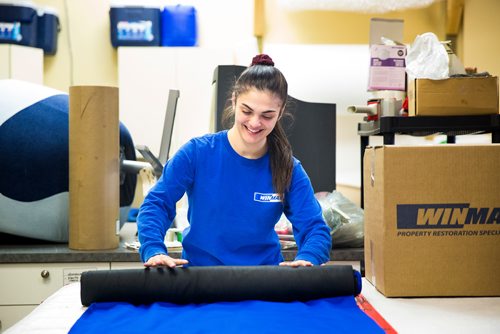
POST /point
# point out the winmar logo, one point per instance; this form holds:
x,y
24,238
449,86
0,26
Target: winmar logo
x,y
269,198
415,216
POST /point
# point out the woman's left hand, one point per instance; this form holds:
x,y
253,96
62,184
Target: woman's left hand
x,y
297,263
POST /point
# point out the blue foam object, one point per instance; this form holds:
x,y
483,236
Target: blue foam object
x,y
34,164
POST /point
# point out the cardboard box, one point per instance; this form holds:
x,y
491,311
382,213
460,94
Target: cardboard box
x,y
432,220
453,97
387,62
387,67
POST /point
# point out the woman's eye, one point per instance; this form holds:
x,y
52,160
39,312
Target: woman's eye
x,y
267,117
246,112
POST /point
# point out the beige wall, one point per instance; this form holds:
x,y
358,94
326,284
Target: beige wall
x,y
477,43
92,60
481,35
331,27
84,55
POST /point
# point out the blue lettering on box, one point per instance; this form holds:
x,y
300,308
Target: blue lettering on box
x,y
425,216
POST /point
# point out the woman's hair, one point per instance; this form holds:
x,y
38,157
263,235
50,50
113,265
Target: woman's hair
x,y
262,75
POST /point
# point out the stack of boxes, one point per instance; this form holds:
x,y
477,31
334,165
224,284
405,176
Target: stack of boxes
x,y
432,213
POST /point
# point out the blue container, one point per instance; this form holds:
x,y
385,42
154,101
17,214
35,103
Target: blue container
x,y
48,30
135,26
18,25
178,26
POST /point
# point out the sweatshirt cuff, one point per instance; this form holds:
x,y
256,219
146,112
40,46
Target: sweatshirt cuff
x,y
152,251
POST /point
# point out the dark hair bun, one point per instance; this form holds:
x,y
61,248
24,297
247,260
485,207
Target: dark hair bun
x,y
262,59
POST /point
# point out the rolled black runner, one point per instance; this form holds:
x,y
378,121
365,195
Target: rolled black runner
x,y
218,283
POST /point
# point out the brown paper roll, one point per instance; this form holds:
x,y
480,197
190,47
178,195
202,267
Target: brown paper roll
x,y
94,167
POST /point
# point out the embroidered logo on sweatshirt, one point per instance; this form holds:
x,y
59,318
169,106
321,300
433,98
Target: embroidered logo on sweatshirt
x,y
268,198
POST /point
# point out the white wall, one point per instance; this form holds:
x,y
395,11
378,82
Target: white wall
x,y
330,73
147,74
315,73
225,36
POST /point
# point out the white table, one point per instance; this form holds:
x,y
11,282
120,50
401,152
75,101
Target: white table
x,y
436,315
406,315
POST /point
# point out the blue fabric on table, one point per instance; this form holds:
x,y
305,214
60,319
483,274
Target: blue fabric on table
x,y
327,315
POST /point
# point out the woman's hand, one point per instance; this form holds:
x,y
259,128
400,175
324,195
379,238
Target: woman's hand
x,y
297,263
162,260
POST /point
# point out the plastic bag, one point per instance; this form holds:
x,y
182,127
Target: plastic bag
x,y
427,58
345,219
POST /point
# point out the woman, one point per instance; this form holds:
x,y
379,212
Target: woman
x,y
238,183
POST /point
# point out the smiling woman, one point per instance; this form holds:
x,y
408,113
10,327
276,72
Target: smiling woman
x,y
263,87
256,114
238,182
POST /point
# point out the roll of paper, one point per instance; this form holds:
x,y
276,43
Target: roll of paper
x,y
218,283
94,168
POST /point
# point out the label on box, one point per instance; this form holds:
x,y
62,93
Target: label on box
x,y
10,31
387,67
135,31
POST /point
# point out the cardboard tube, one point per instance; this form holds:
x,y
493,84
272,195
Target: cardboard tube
x,y
94,189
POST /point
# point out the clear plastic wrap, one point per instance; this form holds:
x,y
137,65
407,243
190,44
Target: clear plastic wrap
x,y
427,58
345,219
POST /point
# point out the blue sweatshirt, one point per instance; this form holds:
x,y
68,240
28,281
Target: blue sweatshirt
x,y
232,208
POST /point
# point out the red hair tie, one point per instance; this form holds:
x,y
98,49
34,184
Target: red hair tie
x,y
262,59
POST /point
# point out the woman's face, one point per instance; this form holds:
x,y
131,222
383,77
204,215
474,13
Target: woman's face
x,y
256,114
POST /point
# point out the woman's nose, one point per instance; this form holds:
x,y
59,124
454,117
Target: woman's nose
x,y
254,121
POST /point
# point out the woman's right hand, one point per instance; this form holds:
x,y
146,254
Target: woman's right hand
x,y
162,260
